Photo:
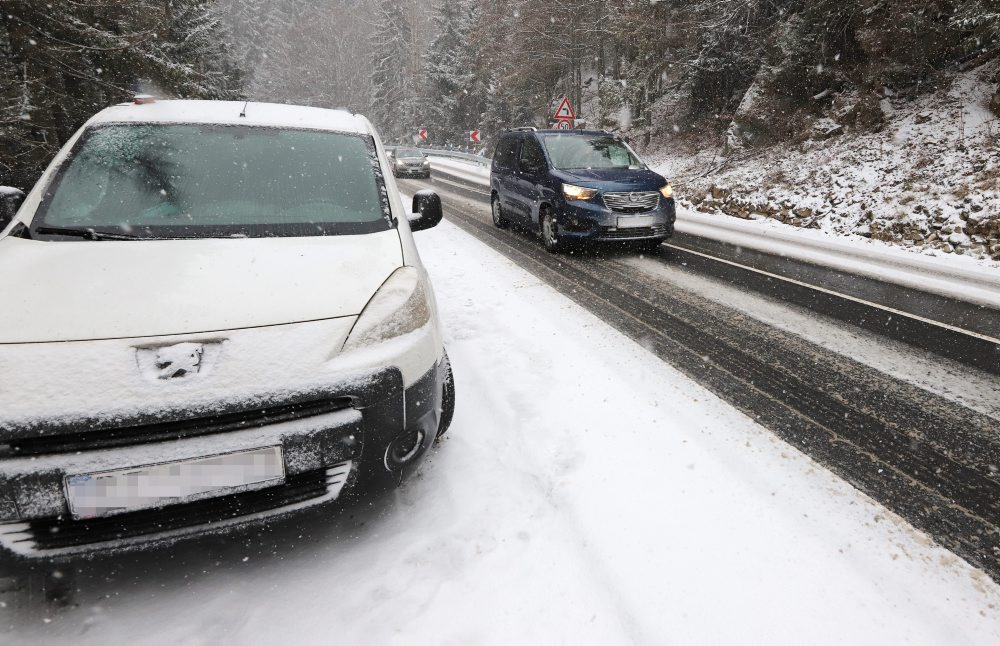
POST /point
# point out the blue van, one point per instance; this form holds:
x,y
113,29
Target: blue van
x,y
576,186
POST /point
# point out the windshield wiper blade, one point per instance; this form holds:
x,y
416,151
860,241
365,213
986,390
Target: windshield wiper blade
x,y
89,234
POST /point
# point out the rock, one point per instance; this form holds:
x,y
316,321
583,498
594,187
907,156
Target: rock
x,y
803,212
720,193
925,116
827,128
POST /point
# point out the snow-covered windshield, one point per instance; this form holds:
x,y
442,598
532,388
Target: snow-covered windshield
x,y
575,152
152,180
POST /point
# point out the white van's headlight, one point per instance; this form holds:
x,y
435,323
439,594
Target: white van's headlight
x,y
399,306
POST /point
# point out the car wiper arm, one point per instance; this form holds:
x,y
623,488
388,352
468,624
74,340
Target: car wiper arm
x,y
89,234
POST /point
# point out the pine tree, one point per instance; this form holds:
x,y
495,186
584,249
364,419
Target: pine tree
x,y
66,59
447,74
391,103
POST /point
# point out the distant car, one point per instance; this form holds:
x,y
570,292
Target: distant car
x,y
409,162
574,186
214,314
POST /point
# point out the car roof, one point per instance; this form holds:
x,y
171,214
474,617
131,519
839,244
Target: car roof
x,y
557,131
228,113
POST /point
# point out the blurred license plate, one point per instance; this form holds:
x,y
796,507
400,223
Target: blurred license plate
x,y
114,492
630,221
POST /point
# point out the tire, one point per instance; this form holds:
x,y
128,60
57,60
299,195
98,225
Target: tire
x,y
447,398
550,232
499,221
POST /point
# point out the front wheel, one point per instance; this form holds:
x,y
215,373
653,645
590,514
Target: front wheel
x,y
447,398
550,233
499,221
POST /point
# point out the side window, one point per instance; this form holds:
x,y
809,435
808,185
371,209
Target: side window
x,y
506,153
532,157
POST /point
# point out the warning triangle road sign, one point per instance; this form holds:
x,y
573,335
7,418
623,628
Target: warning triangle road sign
x,y
565,110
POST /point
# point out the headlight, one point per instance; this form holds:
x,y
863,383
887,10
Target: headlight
x,y
398,307
667,191
574,193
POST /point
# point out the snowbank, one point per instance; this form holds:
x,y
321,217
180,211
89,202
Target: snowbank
x,y
929,180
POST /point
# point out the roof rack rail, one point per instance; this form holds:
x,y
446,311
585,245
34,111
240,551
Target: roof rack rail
x,y
525,129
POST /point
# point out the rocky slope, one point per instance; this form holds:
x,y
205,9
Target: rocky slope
x,y
924,172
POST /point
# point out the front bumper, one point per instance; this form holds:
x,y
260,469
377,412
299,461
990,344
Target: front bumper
x,y
592,221
329,455
411,171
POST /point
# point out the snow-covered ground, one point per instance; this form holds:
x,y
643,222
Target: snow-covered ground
x,y
586,494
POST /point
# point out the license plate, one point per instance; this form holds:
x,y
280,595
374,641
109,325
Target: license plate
x,y
144,487
632,221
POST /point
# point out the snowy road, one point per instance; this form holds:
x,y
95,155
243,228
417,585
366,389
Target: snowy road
x,y
588,493
917,432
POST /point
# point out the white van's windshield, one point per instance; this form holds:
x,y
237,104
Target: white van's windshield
x,y
163,181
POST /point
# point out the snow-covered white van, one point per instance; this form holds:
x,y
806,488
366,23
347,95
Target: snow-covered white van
x,y
211,313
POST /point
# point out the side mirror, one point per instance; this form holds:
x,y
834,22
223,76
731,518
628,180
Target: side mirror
x,y
10,201
427,211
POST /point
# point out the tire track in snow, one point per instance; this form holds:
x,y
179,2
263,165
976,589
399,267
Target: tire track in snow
x,y
928,459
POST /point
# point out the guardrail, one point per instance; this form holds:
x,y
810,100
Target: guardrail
x,y
852,268
480,160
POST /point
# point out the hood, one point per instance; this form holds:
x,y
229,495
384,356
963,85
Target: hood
x,y
612,180
86,290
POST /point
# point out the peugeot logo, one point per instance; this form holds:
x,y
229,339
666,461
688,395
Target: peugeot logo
x,y
171,362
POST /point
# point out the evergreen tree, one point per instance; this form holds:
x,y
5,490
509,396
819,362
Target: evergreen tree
x,y
391,103
447,74
66,59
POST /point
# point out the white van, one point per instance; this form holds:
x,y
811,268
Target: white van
x,y
211,313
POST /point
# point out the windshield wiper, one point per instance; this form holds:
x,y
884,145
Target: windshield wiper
x,y
88,234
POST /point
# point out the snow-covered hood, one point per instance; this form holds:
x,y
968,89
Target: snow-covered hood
x,y
73,291
611,180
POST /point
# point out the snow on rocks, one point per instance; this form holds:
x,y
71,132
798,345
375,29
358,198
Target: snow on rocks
x,y
928,179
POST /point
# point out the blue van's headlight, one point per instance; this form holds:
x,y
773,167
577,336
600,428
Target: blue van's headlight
x,y
578,193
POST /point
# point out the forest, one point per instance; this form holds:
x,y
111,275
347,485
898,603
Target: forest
x,y
750,72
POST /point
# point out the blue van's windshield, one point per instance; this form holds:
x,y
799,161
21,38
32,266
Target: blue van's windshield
x,y
574,151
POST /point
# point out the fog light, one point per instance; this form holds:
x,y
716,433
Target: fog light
x,y
403,449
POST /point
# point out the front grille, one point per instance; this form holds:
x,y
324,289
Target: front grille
x,y
632,202
63,533
92,440
635,232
